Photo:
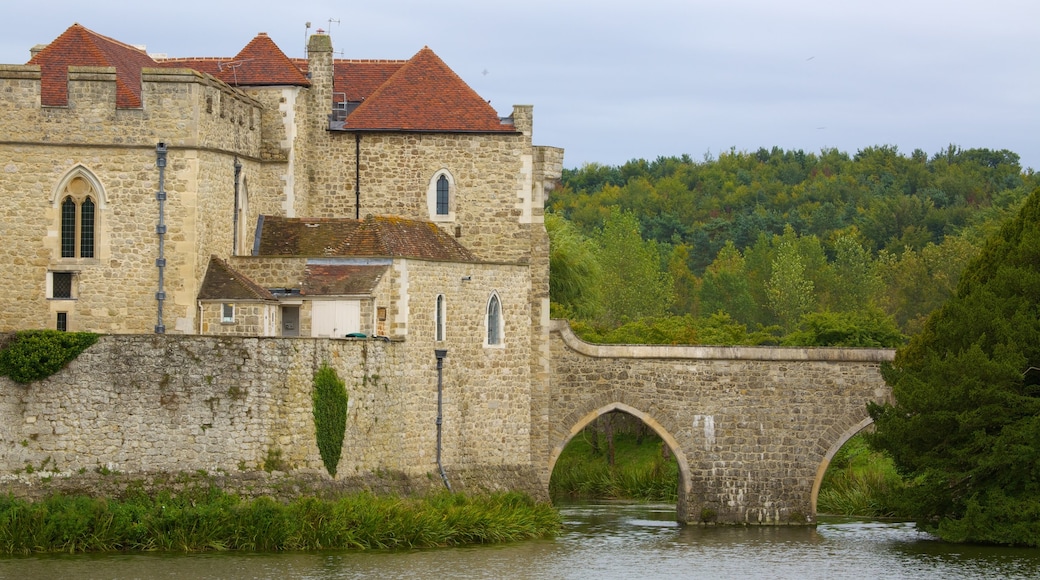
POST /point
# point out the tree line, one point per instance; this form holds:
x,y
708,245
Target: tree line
x,y
773,246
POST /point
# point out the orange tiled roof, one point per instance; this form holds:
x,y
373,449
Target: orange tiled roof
x,y
341,279
425,95
420,94
260,63
222,282
375,236
79,46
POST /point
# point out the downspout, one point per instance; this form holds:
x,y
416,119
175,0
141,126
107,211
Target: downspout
x,y
440,354
160,230
234,218
357,176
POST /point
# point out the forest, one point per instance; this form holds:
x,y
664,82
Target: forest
x,y
774,247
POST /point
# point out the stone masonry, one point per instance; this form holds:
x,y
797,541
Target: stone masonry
x,y
753,429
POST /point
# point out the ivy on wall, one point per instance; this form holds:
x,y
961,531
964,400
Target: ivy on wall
x,y
330,415
32,355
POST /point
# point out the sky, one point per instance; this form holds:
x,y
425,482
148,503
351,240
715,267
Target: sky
x,y
613,81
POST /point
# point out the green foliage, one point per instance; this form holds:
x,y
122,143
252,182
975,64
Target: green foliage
x,y
771,235
633,284
33,355
575,281
207,519
965,425
640,472
330,415
864,328
860,482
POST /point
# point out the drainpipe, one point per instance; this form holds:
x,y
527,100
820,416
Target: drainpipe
x,y
357,176
160,229
234,217
440,354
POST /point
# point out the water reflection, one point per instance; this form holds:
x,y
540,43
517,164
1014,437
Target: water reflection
x,y
599,541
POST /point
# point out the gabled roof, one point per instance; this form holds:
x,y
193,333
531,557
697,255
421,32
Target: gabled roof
x,y
341,279
375,236
222,282
425,95
260,63
79,46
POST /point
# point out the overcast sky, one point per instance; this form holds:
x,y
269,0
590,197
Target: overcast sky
x,y
612,81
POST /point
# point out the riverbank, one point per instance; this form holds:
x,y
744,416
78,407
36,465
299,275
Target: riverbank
x,y
209,519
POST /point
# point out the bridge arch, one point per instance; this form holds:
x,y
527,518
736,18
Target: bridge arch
x,y
829,455
683,487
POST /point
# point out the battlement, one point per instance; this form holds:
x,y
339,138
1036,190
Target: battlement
x,y
182,106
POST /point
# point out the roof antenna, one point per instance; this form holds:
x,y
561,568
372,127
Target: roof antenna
x,y
306,34
336,20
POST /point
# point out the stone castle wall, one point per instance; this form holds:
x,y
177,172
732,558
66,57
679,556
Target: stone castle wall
x,y
147,405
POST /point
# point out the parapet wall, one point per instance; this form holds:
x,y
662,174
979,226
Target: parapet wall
x,y
143,406
181,107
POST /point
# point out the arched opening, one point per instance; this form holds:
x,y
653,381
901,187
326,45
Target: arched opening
x,y
658,432
854,479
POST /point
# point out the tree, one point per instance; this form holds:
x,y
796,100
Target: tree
x,y
965,422
634,285
790,293
575,281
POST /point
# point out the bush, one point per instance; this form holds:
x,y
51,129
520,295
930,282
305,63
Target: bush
x,y
330,415
37,354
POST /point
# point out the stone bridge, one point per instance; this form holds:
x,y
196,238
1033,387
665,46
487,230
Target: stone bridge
x,y
753,428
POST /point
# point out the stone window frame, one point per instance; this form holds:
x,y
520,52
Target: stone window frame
x,y
227,312
63,289
432,195
439,318
80,216
494,322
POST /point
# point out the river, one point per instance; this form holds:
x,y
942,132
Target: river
x,y
599,540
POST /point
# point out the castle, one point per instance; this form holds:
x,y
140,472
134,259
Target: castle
x,y
320,197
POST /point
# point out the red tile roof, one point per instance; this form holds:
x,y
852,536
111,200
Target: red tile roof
x,y
260,63
375,236
341,280
425,95
222,282
420,94
79,46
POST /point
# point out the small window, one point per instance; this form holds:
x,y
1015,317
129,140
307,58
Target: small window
x,y
61,285
63,321
442,195
494,321
227,312
440,317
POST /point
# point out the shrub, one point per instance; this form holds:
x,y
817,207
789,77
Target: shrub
x,y
330,415
37,354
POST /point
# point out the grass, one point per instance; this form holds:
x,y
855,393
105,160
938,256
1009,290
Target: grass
x,y
640,471
212,520
859,482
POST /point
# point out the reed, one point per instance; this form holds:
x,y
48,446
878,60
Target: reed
x,y
860,482
640,471
209,519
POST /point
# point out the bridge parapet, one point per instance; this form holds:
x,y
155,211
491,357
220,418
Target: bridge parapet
x,y
753,428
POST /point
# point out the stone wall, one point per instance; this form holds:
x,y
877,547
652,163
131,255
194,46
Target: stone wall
x,y
752,428
204,123
148,405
